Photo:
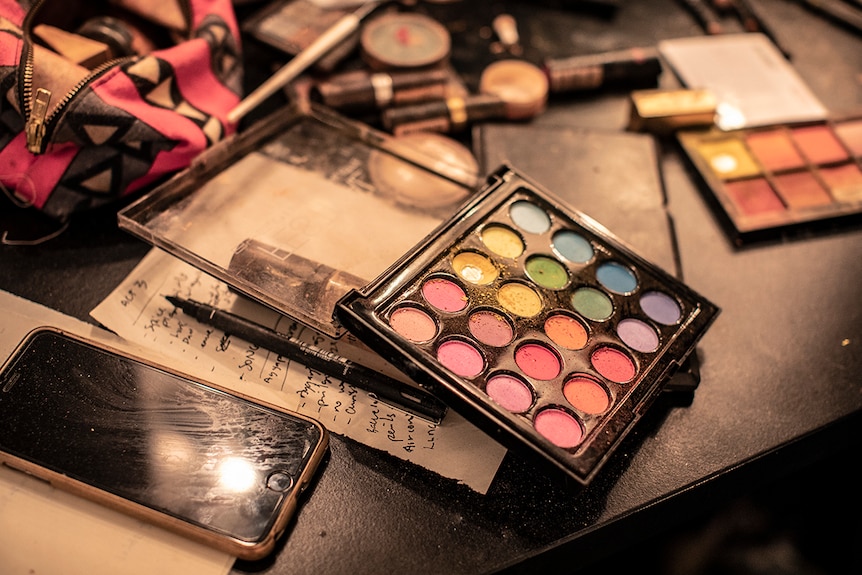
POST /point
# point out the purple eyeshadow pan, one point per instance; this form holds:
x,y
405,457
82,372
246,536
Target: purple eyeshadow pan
x,y
660,307
510,392
638,335
490,328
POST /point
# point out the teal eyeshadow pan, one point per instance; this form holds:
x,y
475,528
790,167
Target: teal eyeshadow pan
x,y
496,350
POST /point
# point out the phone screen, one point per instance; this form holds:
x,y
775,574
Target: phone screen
x,y
146,435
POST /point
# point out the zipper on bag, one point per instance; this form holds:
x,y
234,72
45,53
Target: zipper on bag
x,y
38,121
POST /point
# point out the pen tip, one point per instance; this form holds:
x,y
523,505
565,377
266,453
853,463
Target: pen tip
x,y
173,299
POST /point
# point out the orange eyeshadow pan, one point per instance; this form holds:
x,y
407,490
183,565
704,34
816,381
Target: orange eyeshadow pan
x,y
801,189
819,144
774,150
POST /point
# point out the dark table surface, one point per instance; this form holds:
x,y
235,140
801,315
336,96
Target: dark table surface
x,y
781,369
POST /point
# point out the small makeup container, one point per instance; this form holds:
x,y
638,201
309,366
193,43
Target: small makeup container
x,y
662,111
534,322
769,180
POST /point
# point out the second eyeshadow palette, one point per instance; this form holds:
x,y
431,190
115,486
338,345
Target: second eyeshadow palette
x,y
775,178
534,322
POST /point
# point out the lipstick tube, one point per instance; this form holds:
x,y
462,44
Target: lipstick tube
x,y
446,115
627,69
361,89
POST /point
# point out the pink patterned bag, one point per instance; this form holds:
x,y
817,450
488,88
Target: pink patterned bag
x,y
73,138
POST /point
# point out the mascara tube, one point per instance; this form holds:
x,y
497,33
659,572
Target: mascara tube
x,y
628,69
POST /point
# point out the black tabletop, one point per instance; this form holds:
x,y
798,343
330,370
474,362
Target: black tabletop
x,y
779,370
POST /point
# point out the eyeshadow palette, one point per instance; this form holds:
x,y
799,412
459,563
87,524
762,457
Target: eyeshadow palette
x,y
775,178
533,321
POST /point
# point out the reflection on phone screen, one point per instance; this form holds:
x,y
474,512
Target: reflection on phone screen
x,y
151,437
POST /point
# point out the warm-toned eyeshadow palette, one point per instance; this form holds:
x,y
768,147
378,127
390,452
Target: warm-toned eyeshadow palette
x,y
534,322
774,178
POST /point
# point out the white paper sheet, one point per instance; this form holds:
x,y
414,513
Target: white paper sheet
x,y
754,83
138,312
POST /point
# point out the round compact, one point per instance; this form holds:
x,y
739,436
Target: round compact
x,y
404,40
522,86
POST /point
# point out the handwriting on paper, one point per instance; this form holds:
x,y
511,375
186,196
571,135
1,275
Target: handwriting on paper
x,y
138,311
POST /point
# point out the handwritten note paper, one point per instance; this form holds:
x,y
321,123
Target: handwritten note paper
x,y
138,312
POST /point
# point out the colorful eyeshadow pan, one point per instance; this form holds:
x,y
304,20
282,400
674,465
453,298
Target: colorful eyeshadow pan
x,y
819,144
573,246
546,272
850,133
510,392
660,307
586,394
801,189
566,331
491,328
413,323
503,241
638,334
592,303
474,268
770,179
774,150
565,335
444,294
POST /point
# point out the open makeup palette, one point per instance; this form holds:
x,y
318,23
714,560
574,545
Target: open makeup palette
x,y
770,179
533,321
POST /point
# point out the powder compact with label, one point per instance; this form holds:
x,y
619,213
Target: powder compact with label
x,y
533,321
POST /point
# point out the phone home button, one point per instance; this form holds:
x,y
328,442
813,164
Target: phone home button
x,y
279,481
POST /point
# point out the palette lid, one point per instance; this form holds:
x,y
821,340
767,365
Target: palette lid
x,y
300,208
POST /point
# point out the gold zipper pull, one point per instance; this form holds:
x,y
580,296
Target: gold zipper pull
x,y
36,121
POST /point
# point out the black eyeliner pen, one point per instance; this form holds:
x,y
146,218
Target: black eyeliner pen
x,y
385,388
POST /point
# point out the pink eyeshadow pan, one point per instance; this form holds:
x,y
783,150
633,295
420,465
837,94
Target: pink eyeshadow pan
x,y
774,150
461,357
445,295
613,364
754,196
413,323
819,144
537,361
558,427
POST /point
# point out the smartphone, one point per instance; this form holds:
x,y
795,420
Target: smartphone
x,y
156,444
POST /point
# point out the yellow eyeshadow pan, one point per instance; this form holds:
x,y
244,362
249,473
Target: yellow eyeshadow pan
x,y
533,322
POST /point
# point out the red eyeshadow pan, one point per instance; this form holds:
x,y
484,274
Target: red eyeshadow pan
x,y
801,190
754,197
774,150
819,144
